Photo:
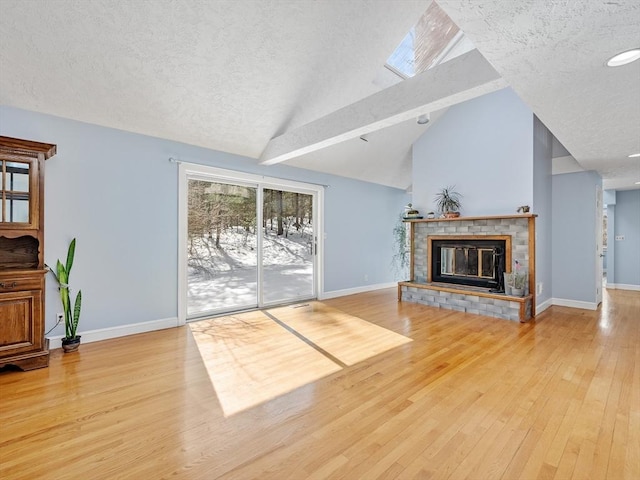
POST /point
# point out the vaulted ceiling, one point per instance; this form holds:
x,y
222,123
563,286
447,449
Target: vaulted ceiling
x,y
300,82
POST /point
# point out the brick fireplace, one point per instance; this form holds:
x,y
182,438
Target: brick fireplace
x,y
454,264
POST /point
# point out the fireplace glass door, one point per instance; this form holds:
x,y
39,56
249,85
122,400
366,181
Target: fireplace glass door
x,y
466,261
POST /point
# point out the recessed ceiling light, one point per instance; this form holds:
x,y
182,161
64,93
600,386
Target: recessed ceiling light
x,y
624,58
637,183
634,155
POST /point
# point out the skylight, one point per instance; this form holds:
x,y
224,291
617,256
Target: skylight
x,y
403,58
433,40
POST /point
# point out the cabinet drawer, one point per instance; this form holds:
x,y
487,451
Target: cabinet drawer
x,y
18,283
21,328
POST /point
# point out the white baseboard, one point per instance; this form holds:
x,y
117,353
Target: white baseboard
x,y
563,302
119,331
623,286
541,307
352,291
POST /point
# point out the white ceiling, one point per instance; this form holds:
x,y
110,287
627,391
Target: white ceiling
x,y
232,75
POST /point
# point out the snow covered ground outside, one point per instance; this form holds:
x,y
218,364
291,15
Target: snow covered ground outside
x,y
226,278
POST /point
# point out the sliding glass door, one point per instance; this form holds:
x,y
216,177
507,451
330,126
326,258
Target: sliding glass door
x,y
287,247
246,245
222,265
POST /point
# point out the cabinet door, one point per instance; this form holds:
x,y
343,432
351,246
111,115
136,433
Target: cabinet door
x,y
18,192
20,325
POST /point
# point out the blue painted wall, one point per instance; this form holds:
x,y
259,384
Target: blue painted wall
x,y
117,193
542,206
359,222
627,251
484,147
609,197
574,236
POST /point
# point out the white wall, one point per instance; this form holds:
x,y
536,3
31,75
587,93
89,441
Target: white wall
x,y
542,206
117,193
485,148
574,239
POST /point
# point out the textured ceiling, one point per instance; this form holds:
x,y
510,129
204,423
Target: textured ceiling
x,y
228,75
553,55
232,75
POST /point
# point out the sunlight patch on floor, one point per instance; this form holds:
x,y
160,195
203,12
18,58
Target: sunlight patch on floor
x,y
349,339
251,358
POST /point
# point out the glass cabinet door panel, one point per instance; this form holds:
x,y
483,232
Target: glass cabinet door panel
x,y
15,192
16,210
17,177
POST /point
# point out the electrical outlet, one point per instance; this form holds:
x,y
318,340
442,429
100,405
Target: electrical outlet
x,y
619,237
366,278
60,317
539,288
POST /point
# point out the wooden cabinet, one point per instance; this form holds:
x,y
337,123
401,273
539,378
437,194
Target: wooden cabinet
x,y
22,271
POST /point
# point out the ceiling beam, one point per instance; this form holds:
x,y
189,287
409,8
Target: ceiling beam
x,y
462,78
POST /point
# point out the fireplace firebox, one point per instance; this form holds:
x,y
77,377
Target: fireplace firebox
x,y
476,261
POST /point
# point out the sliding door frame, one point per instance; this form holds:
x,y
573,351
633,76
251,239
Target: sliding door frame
x,y
192,171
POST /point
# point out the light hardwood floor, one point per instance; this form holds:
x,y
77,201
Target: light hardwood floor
x,y
469,397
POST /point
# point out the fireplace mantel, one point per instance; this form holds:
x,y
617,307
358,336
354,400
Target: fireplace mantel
x,y
461,219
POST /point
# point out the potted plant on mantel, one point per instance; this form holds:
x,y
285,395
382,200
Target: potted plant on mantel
x,y
71,340
448,202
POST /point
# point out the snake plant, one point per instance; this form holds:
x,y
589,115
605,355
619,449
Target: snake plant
x,y
71,317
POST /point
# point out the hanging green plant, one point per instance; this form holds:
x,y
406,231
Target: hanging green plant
x,y
401,255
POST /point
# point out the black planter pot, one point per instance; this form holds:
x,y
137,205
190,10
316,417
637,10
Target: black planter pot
x,y
71,344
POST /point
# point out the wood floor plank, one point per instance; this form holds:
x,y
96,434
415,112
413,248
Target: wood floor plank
x,y
468,397
632,459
